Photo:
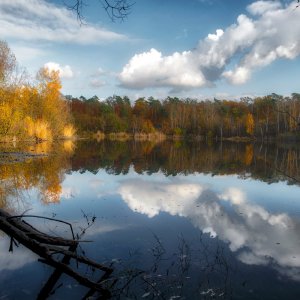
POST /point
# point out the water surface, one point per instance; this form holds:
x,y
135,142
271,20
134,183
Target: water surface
x,y
177,220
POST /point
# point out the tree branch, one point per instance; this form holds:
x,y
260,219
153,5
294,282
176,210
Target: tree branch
x,y
115,9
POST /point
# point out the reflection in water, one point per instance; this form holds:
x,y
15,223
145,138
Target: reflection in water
x,y
34,171
17,259
46,172
227,219
269,163
259,237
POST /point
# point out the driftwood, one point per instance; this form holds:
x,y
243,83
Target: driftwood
x,y
46,246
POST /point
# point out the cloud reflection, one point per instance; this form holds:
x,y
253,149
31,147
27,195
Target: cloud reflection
x,y
256,235
11,261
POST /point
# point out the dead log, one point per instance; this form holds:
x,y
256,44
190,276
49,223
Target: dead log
x,y
46,246
48,288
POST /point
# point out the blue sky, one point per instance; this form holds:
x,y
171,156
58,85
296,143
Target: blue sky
x,y
194,48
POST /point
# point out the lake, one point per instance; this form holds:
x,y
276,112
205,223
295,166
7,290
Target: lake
x,y
175,220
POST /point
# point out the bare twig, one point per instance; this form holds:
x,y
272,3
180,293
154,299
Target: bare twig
x,y
46,247
115,9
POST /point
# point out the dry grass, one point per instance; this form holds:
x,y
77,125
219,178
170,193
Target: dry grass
x,y
42,131
155,136
40,148
69,146
30,127
99,136
69,131
39,129
119,136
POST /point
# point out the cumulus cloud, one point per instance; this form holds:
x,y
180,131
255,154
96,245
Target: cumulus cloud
x,y
64,71
158,197
153,69
269,32
258,236
260,7
43,21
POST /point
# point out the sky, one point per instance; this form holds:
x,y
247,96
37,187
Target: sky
x,y
186,48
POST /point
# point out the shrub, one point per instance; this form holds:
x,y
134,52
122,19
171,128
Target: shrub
x,y
69,131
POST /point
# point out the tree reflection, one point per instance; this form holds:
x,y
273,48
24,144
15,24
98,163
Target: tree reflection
x,y
266,162
44,165
256,236
40,166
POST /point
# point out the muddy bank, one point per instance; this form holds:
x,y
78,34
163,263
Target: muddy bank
x,y
6,156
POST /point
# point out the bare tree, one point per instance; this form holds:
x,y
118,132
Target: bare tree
x,y
115,9
7,62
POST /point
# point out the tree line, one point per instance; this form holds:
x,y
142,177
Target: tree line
x,y
267,162
37,110
262,117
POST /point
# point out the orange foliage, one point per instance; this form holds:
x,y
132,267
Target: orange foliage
x,y
30,111
249,124
248,155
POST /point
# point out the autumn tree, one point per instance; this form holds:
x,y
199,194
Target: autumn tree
x,y
30,111
250,124
7,62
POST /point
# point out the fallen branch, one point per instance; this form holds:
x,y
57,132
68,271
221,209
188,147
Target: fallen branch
x,y
46,246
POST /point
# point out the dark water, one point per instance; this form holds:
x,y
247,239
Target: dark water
x,y
176,220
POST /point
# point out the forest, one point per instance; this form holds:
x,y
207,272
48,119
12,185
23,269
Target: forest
x,y
37,110
261,117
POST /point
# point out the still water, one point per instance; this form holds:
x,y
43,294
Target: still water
x,y
175,220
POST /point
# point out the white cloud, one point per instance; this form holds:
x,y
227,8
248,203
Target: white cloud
x,y
261,7
239,76
216,37
38,20
152,69
269,33
234,195
156,197
261,237
64,71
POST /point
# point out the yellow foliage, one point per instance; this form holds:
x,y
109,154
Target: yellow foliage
x,y
29,126
249,124
38,112
40,148
148,127
39,129
248,155
42,130
69,146
5,118
69,131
